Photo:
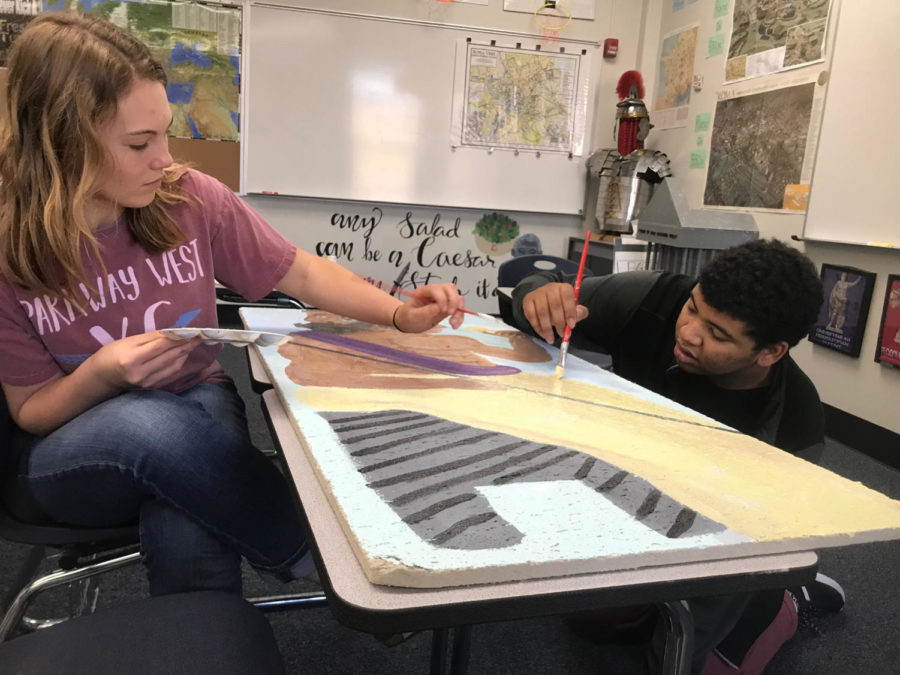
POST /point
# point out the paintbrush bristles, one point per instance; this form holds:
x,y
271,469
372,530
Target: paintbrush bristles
x,y
567,333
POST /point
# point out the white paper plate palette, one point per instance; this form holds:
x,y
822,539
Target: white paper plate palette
x,y
238,338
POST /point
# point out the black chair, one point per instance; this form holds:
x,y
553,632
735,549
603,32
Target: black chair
x,y
514,270
202,632
80,552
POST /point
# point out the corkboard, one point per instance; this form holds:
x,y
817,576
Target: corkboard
x,y
221,159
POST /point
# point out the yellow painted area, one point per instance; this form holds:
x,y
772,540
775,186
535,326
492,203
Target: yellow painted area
x,y
749,486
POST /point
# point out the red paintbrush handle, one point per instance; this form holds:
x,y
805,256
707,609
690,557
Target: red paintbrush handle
x,y
580,275
422,298
567,333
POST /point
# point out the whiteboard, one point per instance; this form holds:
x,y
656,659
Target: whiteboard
x,y
355,108
854,196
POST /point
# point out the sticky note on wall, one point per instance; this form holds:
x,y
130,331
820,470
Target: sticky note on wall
x,y
698,159
796,197
701,122
716,45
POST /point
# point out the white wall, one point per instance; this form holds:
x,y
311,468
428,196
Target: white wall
x,y
860,386
857,386
309,222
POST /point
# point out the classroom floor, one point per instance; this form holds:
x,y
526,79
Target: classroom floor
x,y
862,638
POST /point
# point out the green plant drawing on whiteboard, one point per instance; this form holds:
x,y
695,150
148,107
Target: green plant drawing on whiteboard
x,y
495,232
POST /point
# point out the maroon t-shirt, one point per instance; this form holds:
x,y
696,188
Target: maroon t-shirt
x,y
225,239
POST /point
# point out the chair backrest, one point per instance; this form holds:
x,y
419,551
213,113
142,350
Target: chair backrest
x,y
514,270
6,434
25,524
6,423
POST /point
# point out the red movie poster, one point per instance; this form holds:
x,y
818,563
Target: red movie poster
x,y
889,335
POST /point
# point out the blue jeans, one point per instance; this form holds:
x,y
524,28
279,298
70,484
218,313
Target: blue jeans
x,y
184,467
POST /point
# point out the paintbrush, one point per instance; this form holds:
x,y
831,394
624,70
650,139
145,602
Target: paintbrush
x,y
403,291
567,333
395,288
399,279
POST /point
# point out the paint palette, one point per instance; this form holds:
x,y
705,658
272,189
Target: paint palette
x,y
238,338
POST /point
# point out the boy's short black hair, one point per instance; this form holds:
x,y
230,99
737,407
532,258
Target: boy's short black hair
x,y
768,285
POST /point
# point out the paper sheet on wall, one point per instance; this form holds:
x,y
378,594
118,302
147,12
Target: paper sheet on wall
x,y
769,36
763,143
519,99
676,73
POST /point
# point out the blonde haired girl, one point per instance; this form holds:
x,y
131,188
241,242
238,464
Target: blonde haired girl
x,y
103,240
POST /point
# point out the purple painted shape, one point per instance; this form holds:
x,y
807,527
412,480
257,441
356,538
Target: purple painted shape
x,y
428,362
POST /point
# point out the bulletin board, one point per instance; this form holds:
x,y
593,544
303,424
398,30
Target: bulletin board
x,y
355,107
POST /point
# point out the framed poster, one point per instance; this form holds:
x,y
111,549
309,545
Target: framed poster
x,y
888,349
842,318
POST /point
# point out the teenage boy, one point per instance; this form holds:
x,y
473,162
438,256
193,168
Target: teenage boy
x,y
719,345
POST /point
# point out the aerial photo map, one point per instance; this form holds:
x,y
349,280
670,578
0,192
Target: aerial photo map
x,y
518,99
757,147
770,35
198,44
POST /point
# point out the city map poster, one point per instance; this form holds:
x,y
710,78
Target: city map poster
x,y
198,45
842,317
519,99
769,36
888,350
676,76
758,147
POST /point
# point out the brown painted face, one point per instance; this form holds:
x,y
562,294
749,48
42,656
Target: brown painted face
x,y
314,363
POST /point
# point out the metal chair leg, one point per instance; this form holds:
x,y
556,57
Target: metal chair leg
x,y
273,603
33,625
83,598
679,638
17,607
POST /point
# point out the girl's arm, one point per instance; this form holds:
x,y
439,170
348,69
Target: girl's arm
x,y
139,361
327,285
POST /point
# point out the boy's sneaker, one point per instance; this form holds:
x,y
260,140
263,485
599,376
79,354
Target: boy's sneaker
x,y
822,596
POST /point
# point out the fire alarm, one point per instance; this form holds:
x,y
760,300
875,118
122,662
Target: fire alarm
x,y
610,48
